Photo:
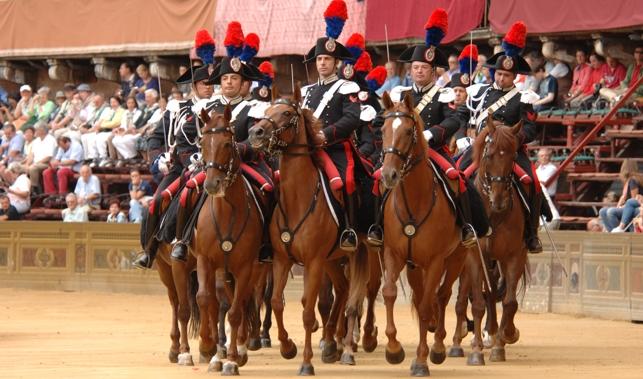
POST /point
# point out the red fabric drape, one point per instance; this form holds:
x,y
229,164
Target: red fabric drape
x,y
551,16
406,18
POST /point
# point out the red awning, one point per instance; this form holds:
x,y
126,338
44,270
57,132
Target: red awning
x,y
406,18
38,28
554,16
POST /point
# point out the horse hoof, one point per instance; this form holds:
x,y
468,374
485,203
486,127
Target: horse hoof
x,y
395,357
306,369
497,354
230,369
315,328
265,343
437,358
329,352
456,352
185,359
475,358
347,359
369,344
173,356
254,344
243,359
354,347
419,369
215,364
289,352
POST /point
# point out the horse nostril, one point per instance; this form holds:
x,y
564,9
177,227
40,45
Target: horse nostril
x,y
259,132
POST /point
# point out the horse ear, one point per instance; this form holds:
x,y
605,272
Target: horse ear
x,y
386,100
516,128
275,94
205,116
296,96
227,113
490,125
408,101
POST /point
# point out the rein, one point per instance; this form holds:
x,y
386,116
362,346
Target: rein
x,y
277,145
230,171
486,180
406,157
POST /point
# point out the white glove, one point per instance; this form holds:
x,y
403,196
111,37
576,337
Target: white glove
x,y
427,135
195,161
163,163
463,143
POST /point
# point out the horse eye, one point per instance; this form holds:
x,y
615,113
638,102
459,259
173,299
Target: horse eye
x,y
287,114
227,144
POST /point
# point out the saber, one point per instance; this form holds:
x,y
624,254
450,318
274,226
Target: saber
x,y
560,262
388,55
158,75
482,261
292,78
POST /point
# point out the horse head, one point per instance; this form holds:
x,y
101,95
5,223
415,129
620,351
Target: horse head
x,y
219,152
400,136
495,150
280,126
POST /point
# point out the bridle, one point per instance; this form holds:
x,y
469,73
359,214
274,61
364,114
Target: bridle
x,y
230,170
275,144
406,157
487,179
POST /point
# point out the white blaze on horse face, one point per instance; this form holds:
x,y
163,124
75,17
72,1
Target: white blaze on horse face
x,y
396,124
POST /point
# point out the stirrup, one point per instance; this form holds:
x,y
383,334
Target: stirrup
x,y
344,240
142,261
375,235
469,242
534,246
179,252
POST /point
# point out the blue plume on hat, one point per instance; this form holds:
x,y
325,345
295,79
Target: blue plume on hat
x,y
436,27
468,59
335,16
250,47
204,44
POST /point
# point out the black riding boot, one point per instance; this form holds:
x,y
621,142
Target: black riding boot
x,y
348,239
478,213
145,260
180,249
534,246
375,235
468,235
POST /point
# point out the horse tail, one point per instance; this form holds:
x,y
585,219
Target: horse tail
x,y
195,315
359,274
252,319
524,281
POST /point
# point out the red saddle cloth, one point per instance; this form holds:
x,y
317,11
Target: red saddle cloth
x,y
335,180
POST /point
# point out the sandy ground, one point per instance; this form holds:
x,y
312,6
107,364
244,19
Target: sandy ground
x,y
102,335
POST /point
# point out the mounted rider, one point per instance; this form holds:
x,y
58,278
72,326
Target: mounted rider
x,y
335,103
432,104
180,120
232,73
507,104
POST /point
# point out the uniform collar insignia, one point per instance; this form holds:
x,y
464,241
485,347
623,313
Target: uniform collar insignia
x,y
495,86
423,89
233,101
328,80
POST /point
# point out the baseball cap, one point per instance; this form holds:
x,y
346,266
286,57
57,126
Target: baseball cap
x,y
25,87
84,87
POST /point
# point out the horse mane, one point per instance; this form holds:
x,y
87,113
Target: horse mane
x,y
312,127
503,139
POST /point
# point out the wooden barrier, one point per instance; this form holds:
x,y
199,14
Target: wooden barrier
x,y
605,270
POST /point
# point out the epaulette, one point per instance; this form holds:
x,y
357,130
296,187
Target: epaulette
x,y
348,88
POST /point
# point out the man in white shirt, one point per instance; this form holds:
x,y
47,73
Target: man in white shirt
x,y
87,188
20,188
74,213
43,149
546,170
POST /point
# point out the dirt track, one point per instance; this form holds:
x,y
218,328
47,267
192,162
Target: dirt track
x,y
98,335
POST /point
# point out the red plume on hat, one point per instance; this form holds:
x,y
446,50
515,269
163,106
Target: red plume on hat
x,y
376,78
356,45
436,27
205,47
335,16
268,74
514,40
468,59
234,39
364,63
250,47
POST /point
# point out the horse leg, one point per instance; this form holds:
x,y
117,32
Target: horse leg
x,y
454,264
476,279
181,279
267,320
394,351
313,276
165,273
325,302
359,273
224,307
461,313
507,332
254,339
369,340
491,325
335,273
240,297
207,347
280,268
427,315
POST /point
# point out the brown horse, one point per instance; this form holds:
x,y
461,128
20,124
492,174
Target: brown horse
x,y
420,231
227,239
495,150
176,276
303,230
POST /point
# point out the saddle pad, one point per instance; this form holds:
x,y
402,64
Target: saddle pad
x,y
334,206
